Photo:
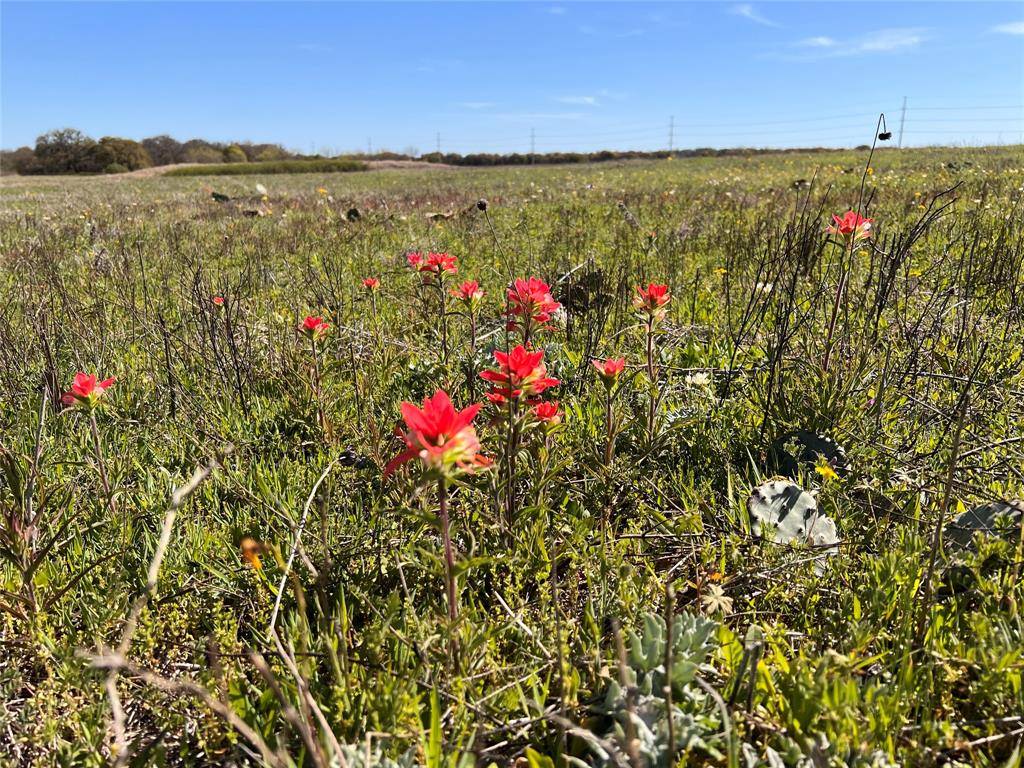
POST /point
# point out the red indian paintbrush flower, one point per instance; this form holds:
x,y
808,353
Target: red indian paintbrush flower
x,y
530,304
314,327
371,283
468,293
850,224
433,264
440,436
610,369
547,413
521,373
86,391
218,301
652,300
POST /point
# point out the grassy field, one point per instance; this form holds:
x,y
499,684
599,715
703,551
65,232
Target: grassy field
x,y
206,563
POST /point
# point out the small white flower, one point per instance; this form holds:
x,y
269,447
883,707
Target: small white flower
x,y
701,379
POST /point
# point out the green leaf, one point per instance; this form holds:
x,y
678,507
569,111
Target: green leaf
x,y
434,744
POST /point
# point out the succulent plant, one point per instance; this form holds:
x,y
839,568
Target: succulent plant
x,y
696,723
782,511
363,756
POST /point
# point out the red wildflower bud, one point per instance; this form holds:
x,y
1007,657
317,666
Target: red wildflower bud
x,y
218,301
469,293
652,300
314,327
610,369
371,283
547,413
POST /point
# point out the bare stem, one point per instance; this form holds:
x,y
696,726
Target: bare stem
x,y
449,556
609,428
652,376
97,447
840,290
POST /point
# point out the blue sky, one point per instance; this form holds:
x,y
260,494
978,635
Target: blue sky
x,y
335,76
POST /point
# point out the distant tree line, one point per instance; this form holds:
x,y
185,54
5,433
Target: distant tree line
x,y
68,150
605,155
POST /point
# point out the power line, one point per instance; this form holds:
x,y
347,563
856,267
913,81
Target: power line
x,y
964,109
903,119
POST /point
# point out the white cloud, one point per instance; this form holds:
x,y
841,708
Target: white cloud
x,y
1013,28
881,41
817,42
888,40
587,29
746,10
539,116
585,101
557,10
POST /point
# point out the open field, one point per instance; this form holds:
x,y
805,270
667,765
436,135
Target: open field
x,y
206,564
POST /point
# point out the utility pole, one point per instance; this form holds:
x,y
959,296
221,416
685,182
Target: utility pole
x,y
439,142
533,144
903,118
671,132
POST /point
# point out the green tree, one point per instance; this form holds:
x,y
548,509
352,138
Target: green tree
x,y
163,150
124,152
66,150
234,154
197,151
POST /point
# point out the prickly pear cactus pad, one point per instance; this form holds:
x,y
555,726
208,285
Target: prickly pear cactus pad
x,y
802,448
782,511
997,518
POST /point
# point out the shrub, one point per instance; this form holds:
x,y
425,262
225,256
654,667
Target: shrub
x,y
234,154
116,168
125,152
280,166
